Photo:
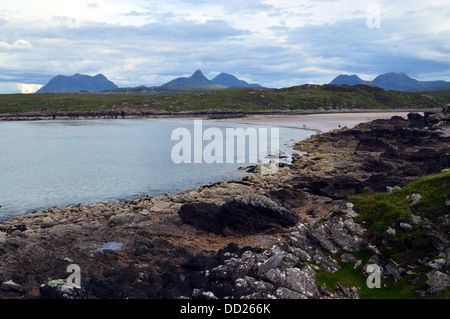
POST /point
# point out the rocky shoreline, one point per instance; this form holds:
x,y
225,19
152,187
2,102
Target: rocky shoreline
x,y
265,236
207,114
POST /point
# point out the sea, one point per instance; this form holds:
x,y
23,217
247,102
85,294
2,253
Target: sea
x,y
57,163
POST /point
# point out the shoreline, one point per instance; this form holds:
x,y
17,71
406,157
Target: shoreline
x,y
321,122
213,115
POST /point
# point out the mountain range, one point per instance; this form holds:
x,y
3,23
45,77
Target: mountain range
x,y
392,81
99,83
199,80
77,82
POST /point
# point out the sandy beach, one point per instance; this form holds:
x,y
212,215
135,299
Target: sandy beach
x,y
317,122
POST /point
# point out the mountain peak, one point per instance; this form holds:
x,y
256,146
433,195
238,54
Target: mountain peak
x,y
231,80
77,82
198,79
198,75
347,79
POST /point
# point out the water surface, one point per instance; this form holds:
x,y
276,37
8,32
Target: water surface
x,y
60,163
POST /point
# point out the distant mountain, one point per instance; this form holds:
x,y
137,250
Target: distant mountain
x,y
198,80
195,80
77,82
348,80
391,81
231,80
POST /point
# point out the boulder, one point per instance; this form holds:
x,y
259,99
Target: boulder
x,y
437,281
240,216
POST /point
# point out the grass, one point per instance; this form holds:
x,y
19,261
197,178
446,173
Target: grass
x,y
305,97
381,211
348,276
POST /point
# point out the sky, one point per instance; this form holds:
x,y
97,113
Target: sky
x,y
275,43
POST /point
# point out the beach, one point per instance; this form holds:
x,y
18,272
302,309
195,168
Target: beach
x,y
318,122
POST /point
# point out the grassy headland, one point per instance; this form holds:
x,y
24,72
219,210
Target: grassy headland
x,y
298,98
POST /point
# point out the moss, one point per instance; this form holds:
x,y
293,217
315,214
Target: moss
x,y
380,211
351,277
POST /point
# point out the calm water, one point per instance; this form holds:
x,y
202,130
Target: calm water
x,y
58,163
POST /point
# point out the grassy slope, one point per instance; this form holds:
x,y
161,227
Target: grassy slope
x,y
377,212
305,97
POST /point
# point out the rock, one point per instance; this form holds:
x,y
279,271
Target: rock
x,y
273,262
11,286
414,198
121,219
437,281
337,234
437,263
348,258
447,204
290,196
240,216
58,289
327,263
343,292
391,231
200,263
346,208
47,222
393,270
302,281
393,189
406,226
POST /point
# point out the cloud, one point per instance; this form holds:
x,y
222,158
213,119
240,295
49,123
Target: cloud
x,y
28,88
18,45
272,42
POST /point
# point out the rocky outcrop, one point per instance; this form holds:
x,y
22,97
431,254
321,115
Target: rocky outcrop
x,y
240,216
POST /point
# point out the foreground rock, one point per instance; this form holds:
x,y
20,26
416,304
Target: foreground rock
x,y
240,216
265,236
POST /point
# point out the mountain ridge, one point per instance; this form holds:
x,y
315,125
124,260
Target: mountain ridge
x,y
198,79
77,82
391,81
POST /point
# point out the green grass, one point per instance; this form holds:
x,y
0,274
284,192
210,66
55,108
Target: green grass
x,y
305,97
350,277
379,211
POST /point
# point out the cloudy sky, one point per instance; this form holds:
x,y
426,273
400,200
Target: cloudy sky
x,y
276,43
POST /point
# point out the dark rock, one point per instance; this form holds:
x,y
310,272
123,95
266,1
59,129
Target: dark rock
x,y
415,117
222,289
241,216
200,262
372,145
290,196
